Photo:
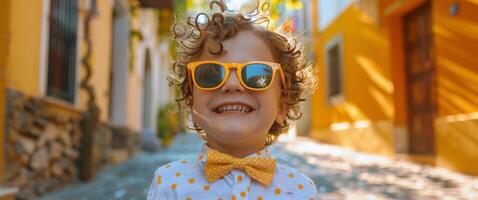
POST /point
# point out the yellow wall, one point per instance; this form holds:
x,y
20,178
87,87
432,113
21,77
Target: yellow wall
x,y
456,47
457,143
101,38
4,24
23,71
134,109
456,42
367,83
24,48
366,72
374,74
375,138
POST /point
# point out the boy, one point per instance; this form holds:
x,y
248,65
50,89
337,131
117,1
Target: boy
x,y
242,84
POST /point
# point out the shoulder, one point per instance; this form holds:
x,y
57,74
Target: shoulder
x,y
297,182
162,181
172,168
292,174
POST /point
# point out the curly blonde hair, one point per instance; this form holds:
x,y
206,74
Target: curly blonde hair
x,y
192,36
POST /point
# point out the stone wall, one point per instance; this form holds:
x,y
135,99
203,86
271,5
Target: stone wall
x,y
42,145
114,144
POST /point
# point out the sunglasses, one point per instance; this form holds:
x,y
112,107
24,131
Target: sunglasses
x,y
255,75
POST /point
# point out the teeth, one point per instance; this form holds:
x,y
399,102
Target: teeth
x,y
234,108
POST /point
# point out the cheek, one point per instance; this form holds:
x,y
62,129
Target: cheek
x,y
196,103
200,101
275,99
198,109
198,97
276,91
270,101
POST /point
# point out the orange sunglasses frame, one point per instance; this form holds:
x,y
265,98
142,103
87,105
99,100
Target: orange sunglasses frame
x,y
238,66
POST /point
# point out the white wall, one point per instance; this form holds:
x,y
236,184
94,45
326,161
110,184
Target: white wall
x,y
160,63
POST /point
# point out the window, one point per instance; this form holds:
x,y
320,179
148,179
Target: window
x,y
334,70
62,49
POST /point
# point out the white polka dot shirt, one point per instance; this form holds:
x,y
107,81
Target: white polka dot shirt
x,y
186,180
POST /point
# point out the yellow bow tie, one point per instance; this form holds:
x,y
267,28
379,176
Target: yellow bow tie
x,y
219,164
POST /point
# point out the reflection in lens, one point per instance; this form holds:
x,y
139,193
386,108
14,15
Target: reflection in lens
x,y
257,75
209,75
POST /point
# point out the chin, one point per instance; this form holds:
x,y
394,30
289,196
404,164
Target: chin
x,y
233,131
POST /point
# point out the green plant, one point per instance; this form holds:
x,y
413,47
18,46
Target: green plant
x,y
168,123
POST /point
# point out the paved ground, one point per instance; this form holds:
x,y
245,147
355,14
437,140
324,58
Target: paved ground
x,y
339,174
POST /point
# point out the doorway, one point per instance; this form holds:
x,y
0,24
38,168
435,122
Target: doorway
x,y
420,78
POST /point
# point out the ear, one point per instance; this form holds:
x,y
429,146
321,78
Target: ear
x,y
282,112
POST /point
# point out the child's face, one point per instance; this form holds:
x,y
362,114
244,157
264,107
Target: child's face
x,y
238,128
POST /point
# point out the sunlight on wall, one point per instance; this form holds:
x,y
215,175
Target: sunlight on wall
x,y
442,31
370,67
464,27
459,118
460,102
374,36
350,112
473,1
446,106
456,144
455,86
383,102
457,69
342,126
377,135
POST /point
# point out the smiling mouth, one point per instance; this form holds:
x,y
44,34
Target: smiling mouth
x,y
233,109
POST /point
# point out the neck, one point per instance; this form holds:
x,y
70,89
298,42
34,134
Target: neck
x,y
238,151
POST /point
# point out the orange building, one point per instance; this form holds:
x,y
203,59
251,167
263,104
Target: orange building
x,y
399,77
43,51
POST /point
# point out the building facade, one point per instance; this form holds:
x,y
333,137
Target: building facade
x,y
60,61
398,78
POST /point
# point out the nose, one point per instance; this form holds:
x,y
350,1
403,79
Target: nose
x,y
232,84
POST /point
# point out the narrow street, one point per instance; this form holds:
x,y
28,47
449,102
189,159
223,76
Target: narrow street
x,y
339,174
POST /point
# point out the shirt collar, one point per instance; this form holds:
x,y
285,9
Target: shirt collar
x,y
202,154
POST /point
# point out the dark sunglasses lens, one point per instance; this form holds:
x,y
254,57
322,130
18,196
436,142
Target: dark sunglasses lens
x,y
209,75
257,75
